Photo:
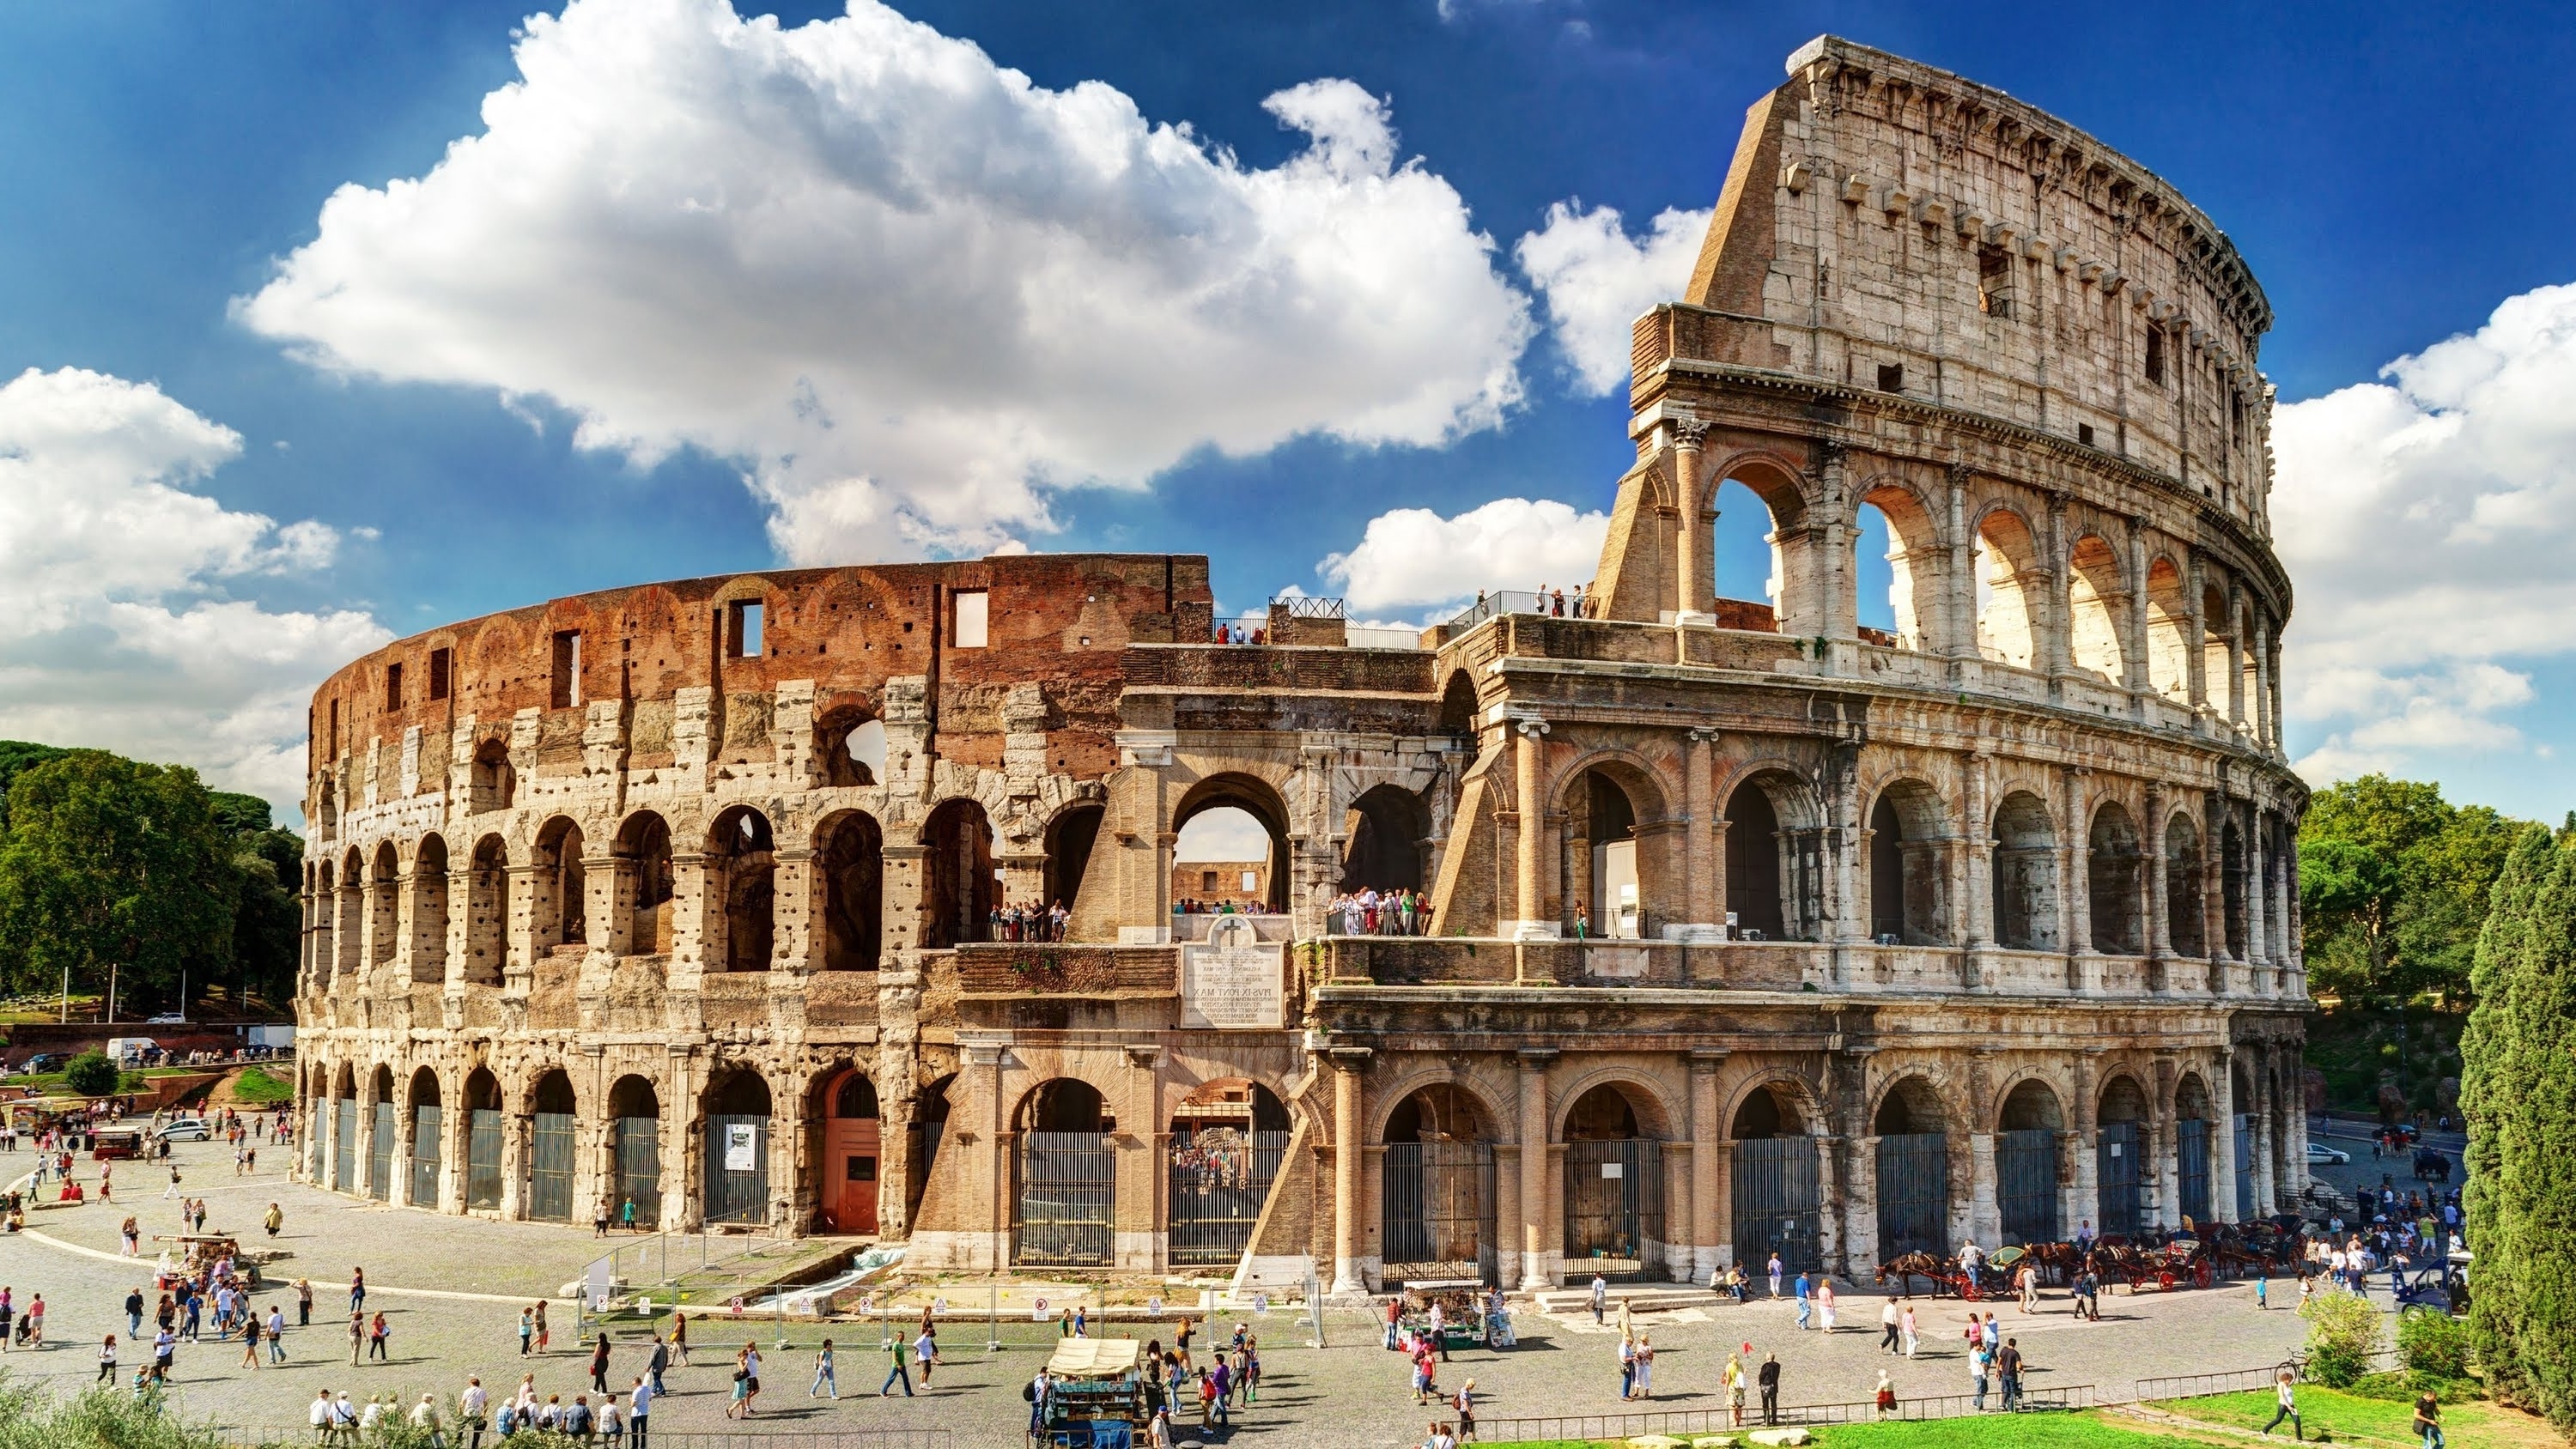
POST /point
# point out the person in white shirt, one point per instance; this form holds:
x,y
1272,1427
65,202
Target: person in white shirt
x,y
612,1421
320,1417
471,1411
639,1412
424,1417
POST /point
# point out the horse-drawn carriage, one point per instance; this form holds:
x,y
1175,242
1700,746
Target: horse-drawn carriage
x,y
1991,1277
2184,1261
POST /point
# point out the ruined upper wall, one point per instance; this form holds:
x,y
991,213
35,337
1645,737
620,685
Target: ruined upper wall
x,y
1884,214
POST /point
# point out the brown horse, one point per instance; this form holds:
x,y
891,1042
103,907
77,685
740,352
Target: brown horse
x,y
1906,1267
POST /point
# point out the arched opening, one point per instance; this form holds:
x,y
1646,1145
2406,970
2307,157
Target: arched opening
x,y
1774,874
852,864
551,1148
644,856
735,1153
742,877
384,904
1894,556
321,907
2193,1114
2025,874
1602,851
1913,1170
384,1121
2118,1156
426,1125
1437,1188
429,912
2231,887
1064,1196
2011,594
1383,843
1908,878
344,1132
2111,882
1228,827
849,747
1458,704
487,911
926,1136
2095,598
1228,1138
491,782
1773,1167
1614,1190
852,1148
2168,632
482,1141
2026,1167
1069,839
635,1146
959,893
2186,911
1747,576
561,888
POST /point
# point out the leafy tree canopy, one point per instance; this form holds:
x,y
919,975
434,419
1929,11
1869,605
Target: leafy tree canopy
x,y
2393,886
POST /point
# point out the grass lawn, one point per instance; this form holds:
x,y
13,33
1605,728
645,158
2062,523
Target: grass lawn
x,y
2348,1416
2086,1430
256,1085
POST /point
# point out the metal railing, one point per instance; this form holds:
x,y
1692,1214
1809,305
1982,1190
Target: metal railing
x,y
1306,606
1502,601
2194,1386
2050,1399
262,1436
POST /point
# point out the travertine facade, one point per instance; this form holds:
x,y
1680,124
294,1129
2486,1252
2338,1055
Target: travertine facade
x,y
1978,929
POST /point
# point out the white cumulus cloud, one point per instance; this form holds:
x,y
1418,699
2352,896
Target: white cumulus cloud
x,y
1597,280
1413,556
2427,519
120,620
909,291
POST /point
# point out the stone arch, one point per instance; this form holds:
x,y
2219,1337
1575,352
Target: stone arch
x,y
1908,876
1909,1099
1063,1104
1799,576
2030,1170
2096,601
849,860
1461,1108
2029,1102
482,1124
2186,909
635,1149
2114,891
2195,1147
1774,854
429,910
1912,1125
384,903
2168,630
2025,874
643,850
1255,797
1651,1111
1915,559
1614,866
487,912
1458,703
842,744
491,781
2012,588
740,922
1386,834
848,1127
738,1108
1776,1104
1072,833
959,893
561,890
2217,643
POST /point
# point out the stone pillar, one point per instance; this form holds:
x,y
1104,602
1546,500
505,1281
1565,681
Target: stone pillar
x,y
1538,1255
1534,921
2235,660
2213,882
1978,829
2257,879
1829,1199
1694,561
2222,1142
1843,846
2056,652
796,912
1709,1243
1703,869
683,1145
2159,908
2196,658
1348,1063
2165,1184
366,1174
517,1124
2076,873
1959,580
985,1060
1985,1213
1860,1206
2086,1204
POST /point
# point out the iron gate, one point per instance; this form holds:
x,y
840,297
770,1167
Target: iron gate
x,y
736,1154
1775,1202
1219,1180
1614,1208
2115,1160
639,1169
550,1168
2244,1167
380,1154
483,1158
1438,1210
424,1155
1064,1200
2191,1175
1913,1194
344,1144
2026,1184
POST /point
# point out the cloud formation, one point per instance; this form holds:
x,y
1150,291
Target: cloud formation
x,y
1410,557
119,621
908,290
2427,519
1597,280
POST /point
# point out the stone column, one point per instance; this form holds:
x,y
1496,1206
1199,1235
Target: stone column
x,y
1708,1243
1348,1276
1978,829
2257,880
1842,848
2056,651
2235,659
1534,922
2222,1144
1702,870
796,912
2196,658
517,1123
2076,873
608,904
366,1174
2213,882
2159,908
985,1060
2166,1152
1693,561
2086,1204
1985,1213
1536,1267
683,1145
1959,580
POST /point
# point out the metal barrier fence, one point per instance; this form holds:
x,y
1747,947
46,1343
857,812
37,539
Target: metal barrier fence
x,y
267,1436
2193,1386
2051,1399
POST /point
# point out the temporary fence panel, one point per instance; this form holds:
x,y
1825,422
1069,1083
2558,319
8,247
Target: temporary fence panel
x,y
736,1154
380,1154
2191,1175
2244,1167
639,1168
1913,1194
1438,1210
2115,1158
483,1158
344,1144
2026,1185
1065,1200
1219,1180
1614,1208
424,1155
550,1168
1775,1202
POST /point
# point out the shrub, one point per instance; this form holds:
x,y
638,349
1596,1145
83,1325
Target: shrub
x,y
91,1074
2343,1337
2433,1346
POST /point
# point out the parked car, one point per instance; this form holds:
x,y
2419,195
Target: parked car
x,y
2320,1155
168,1018
46,1062
186,1129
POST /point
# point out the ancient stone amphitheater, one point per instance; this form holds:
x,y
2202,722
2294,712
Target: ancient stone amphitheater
x,y
1750,929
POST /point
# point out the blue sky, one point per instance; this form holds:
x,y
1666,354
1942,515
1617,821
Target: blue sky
x,y
2388,171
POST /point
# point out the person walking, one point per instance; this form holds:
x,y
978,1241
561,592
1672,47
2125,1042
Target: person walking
x,y
1732,1378
897,1371
925,1353
1806,1299
357,1289
276,1334
679,1344
2428,1419
527,1331
1825,1301
2008,1369
1600,1296
2262,1289
473,1412
1768,1376
107,1361
1905,1326
250,1341
1627,1371
545,1339
599,1364
377,1333
1885,1397
1978,1364
1645,1366
273,1220
1465,1405
134,1313
357,1337
661,1360
303,1303
2286,1395
1887,1326
639,1411
823,1376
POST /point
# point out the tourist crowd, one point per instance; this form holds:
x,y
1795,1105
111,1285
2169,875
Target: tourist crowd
x,y
1029,922
1370,912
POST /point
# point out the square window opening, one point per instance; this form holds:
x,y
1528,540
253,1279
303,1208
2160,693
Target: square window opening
x,y
2084,434
393,688
1994,282
742,629
973,610
2155,355
1891,377
565,690
441,663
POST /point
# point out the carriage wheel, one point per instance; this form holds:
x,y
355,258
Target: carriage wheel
x,y
1969,1290
2165,1279
2202,1273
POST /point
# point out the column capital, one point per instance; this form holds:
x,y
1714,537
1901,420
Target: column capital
x,y
1537,1059
1704,1060
1704,734
1349,1059
1688,433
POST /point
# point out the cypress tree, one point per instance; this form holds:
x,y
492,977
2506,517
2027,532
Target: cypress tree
x,y
2490,1099
2540,1160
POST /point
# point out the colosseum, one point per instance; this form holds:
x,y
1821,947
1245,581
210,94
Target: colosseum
x,y
1745,928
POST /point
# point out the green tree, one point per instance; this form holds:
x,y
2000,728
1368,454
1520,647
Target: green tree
x,y
112,863
91,1074
2343,1335
2393,886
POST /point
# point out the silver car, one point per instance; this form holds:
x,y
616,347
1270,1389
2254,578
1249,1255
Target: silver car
x,y
185,1129
2320,1155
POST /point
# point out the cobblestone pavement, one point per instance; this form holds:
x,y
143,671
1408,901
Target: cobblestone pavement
x,y
1349,1394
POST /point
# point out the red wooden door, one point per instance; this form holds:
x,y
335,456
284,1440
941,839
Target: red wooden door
x,y
850,1173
